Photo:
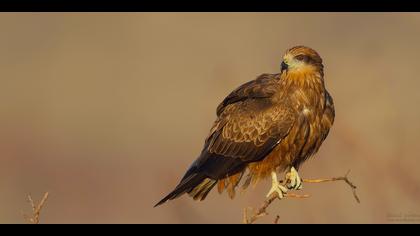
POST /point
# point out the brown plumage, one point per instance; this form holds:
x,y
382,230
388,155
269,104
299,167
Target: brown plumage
x,y
274,122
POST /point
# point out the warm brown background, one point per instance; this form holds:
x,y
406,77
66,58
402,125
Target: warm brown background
x,y
107,111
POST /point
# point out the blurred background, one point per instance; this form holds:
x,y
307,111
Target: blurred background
x,y
107,111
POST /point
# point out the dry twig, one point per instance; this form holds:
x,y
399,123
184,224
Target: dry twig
x,y
343,178
262,211
276,221
36,209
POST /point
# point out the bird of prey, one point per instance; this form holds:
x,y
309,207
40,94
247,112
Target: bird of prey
x,y
266,126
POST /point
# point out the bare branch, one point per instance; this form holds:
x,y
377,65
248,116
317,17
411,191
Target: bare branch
x,y
262,210
342,178
276,221
36,209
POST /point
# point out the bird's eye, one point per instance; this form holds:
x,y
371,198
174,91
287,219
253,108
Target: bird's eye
x,y
301,57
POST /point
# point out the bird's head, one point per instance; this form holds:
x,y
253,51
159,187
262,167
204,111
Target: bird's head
x,y
302,59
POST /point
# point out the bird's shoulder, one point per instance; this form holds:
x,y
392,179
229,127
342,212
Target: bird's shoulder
x,y
329,111
264,86
329,102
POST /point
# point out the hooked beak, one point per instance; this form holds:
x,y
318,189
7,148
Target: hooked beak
x,y
284,66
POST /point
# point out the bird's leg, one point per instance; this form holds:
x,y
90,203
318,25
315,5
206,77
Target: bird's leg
x,y
293,181
276,186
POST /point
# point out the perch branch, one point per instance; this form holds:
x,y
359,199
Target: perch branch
x,y
36,209
342,178
262,210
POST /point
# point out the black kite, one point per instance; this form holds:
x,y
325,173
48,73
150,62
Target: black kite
x,y
273,123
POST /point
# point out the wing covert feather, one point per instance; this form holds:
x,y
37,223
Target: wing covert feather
x,y
262,87
245,130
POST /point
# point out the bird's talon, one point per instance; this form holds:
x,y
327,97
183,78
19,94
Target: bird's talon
x,y
279,189
293,180
276,187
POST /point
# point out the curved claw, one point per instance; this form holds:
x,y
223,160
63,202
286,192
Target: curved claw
x,y
294,181
276,187
279,189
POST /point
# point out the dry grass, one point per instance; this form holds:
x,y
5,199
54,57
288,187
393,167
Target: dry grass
x,y
36,209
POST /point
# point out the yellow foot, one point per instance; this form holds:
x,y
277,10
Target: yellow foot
x,y
276,187
293,180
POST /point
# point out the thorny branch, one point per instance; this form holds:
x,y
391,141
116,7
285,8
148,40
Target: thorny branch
x,y
262,210
36,209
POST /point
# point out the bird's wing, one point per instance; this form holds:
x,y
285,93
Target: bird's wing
x,y
248,127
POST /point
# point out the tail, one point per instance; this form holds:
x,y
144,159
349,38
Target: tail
x,y
196,185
